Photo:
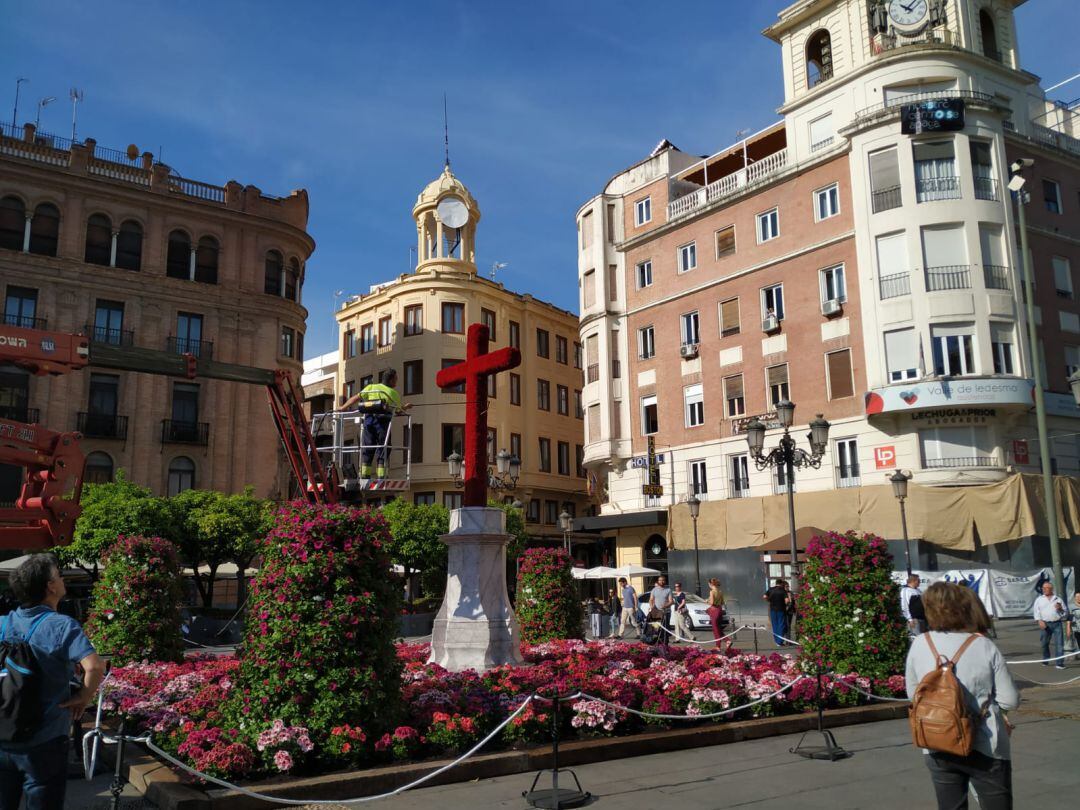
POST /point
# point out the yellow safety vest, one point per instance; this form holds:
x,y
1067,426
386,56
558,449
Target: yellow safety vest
x,y
377,392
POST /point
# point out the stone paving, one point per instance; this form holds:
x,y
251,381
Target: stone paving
x,y
885,771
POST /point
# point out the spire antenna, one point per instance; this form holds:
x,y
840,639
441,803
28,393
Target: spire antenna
x,y
446,131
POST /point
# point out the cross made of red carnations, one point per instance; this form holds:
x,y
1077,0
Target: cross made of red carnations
x,y
479,364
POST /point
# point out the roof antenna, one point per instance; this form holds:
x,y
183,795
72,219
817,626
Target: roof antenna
x,y
446,131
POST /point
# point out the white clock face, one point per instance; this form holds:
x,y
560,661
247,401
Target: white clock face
x,y
908,13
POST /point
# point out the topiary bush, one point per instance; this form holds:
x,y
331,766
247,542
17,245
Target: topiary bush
x,y
849,607
547,604
318,652
136,602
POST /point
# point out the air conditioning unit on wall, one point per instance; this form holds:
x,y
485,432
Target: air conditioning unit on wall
x,y
770,324
831,307
688,351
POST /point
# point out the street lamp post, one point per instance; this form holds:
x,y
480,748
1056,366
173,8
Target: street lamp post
x,y
787,456
42,103
566,523
695,510
15,112
1016,185
899,481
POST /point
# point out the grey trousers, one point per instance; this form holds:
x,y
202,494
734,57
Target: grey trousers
x,y
951,775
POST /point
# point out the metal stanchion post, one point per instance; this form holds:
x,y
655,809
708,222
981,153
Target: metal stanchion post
x,y
556,797
117,786
830,750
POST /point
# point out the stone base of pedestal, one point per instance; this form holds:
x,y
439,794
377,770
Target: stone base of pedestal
x,y
476,628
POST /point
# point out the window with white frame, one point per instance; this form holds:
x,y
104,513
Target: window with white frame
x,y
935,171
699,482
646,342
956,446
847,462
832,284
776,380
781,480
1063,283
687,257
768,225
953,349
827,202
822,132
649,422
689,327
901,355
734,398
1052,196
739,468
644,274
694,402
1001,346
772,301
1072,360
643,211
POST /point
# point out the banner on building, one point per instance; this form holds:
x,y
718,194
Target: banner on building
x,y
1004,594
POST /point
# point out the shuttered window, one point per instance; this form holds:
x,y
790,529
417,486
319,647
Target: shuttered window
x,y
841,384
777,380
729,317
725,241
733,395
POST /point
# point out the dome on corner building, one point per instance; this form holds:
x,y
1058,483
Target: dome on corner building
x,y
443,185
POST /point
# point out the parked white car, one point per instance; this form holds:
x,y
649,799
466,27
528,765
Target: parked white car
x,y
697,610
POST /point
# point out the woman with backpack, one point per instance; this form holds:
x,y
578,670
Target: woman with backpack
x,y
960,690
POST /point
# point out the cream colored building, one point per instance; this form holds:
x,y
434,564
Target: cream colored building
x,y
859,267
417,324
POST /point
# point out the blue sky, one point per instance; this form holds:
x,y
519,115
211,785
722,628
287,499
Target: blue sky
x,y
547,100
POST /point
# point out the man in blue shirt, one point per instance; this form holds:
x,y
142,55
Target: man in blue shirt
x,y
37,768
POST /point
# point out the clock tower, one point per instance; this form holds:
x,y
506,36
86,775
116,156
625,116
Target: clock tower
x,y
446,215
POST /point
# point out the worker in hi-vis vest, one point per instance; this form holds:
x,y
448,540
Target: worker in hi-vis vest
x,y
378,402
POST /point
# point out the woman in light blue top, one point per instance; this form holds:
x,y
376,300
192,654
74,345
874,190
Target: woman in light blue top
x,y
954,613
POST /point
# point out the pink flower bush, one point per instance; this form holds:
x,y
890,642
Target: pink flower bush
x,y
449,712
547,607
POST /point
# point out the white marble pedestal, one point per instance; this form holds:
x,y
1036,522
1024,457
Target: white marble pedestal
x,y
476,628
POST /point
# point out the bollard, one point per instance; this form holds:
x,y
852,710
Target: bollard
x,y
555,798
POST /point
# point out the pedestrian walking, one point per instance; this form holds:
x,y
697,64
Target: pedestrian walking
x,y
1050,613
33,765
957,622
629,607
660,603
680,618
716,610
614,603
911,606
1072,628
778,597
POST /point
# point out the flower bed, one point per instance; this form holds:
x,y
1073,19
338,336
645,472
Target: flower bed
x,y
449,712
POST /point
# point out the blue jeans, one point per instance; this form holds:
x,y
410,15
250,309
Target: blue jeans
x,y
778,618
38,773
1052,633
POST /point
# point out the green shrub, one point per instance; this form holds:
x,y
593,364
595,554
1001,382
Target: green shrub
x,y
849,607
318,649
547,604
136,602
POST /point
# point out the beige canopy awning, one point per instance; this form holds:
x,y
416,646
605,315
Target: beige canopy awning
x,y
951,517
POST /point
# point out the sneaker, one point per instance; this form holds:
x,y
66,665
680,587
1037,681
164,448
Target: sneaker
x,y
1059,666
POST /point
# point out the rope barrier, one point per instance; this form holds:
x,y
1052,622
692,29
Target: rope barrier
x,y
1054,683
146,740
724,713
708,641
1045,660
870,694
769,630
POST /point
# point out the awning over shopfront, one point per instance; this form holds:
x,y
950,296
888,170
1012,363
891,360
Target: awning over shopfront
x,y
951,517
627,520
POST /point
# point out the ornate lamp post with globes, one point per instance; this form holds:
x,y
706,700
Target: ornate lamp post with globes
x,y
788,456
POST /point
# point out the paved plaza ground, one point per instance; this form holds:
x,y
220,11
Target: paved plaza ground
x,y
885,771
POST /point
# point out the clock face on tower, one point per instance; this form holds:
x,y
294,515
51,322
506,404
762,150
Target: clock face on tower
x,y
908,14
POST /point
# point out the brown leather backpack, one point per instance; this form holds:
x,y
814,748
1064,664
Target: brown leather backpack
x,y
939,716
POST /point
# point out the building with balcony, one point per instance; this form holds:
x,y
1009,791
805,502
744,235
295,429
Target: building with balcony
x,y
417,323
858,257
120,248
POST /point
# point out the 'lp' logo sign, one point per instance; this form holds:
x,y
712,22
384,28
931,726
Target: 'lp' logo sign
x,y
885,457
